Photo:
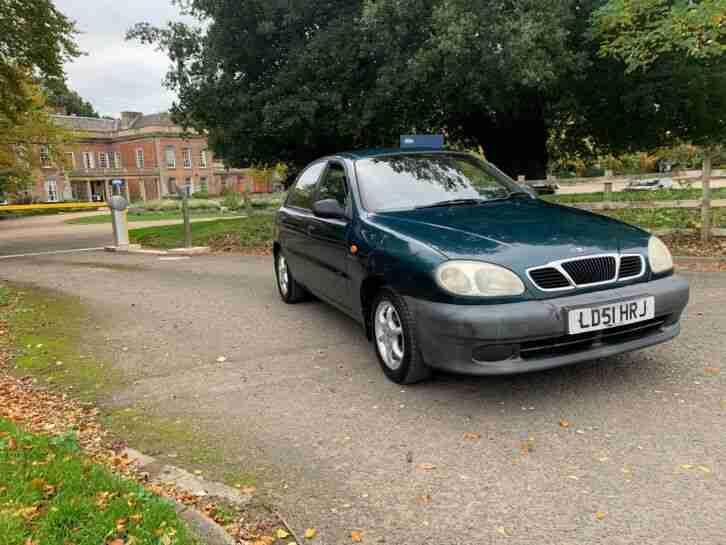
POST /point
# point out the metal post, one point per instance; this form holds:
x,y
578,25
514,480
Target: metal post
x,y
119,217
706,203
187,220
608,192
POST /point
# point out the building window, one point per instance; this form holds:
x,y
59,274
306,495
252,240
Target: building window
x,y
189,186
187,157
88,162
139,158
45,156
51,190
102,159
203,185
171,186
70,160
116,159
203,158
170,152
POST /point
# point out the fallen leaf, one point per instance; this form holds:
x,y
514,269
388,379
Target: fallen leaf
x,y
686,466
425,467
117,541
599,515
356,536
221,359
310,533
704,469
472,436
281,534
712,370
502,531
248,489
564,424
423,500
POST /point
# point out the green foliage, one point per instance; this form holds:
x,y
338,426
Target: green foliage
x,y
52,494
60,96
640,32
203,204
35,40
232,200
201,195
674,54
292,81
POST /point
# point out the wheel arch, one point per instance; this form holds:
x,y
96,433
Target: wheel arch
x,y
370,286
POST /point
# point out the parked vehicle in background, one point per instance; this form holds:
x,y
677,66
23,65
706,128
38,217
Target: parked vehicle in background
x,y
544,187
650,185
450,264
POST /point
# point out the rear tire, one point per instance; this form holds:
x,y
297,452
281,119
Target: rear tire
x,y
395,338
290,290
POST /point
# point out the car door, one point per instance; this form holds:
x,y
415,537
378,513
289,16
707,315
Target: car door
x,y
329,238
296,220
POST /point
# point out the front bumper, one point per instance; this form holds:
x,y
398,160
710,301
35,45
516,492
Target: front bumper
x,y
532,335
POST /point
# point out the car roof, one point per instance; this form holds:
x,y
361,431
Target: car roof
x,y
377,152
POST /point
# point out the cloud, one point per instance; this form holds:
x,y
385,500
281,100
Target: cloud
x,y
116,75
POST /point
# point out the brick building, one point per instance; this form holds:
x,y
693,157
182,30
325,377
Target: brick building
x,y
151,155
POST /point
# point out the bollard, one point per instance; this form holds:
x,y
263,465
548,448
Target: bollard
x,y
187,220
119,218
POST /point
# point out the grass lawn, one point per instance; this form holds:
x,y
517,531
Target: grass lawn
x,y
660,195
51,493
666,218
249,233
146,216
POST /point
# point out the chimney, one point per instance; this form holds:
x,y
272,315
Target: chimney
x,y
127,118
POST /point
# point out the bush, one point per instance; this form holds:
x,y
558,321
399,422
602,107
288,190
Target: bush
x,y
231,200
159,205
203,204
200,195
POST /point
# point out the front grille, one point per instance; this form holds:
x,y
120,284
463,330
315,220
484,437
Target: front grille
x,y
591,270
549,278
571,344
630,266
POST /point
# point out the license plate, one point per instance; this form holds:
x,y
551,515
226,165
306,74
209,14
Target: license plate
x,y
584,320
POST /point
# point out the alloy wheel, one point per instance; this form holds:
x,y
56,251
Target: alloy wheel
x,y
389,335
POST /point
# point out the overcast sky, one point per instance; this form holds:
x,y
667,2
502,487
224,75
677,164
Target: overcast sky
x,y
117,75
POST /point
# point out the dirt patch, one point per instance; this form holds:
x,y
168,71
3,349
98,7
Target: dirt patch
x,y
692,246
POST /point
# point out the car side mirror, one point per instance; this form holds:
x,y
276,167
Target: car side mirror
x,y
329,208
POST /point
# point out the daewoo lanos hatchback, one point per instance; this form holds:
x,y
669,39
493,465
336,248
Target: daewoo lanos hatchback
x,y
450,264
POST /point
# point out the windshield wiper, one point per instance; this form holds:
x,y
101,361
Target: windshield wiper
x,y
451,202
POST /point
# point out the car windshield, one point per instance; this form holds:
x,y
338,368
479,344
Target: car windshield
x,y
421,180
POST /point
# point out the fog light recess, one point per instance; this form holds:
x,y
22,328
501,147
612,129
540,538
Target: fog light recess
x,y
490,353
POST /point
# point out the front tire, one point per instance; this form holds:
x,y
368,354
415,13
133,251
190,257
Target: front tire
x,y
395,339
290,290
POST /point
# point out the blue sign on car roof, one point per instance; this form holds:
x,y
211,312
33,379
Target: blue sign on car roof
x,y
422,141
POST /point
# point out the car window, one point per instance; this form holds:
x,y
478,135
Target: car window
x,y
407,181
334,185
301,196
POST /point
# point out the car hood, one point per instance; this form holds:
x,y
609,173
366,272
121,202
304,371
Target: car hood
x,y
517,233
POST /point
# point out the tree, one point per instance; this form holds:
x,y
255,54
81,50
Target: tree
x,y
676,49
61,97
21,139
35,40
291,81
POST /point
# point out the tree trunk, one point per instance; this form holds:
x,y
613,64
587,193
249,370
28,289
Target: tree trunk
x,y
706,202
518,148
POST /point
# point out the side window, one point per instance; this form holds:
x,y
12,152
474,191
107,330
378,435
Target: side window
x,y
301,196
334,185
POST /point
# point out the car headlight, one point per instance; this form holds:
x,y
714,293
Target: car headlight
x,y
477,279
659,256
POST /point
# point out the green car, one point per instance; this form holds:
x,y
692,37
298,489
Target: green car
x,y
449,264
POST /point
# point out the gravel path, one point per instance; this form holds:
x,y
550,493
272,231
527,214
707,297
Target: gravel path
x,y
640,459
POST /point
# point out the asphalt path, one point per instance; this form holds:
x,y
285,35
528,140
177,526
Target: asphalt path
x,y
301,402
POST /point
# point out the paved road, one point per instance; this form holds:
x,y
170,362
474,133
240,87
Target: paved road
x,y
302,403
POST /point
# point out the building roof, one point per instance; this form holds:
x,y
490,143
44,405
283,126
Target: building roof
x,y
79,123
93,124
152,120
